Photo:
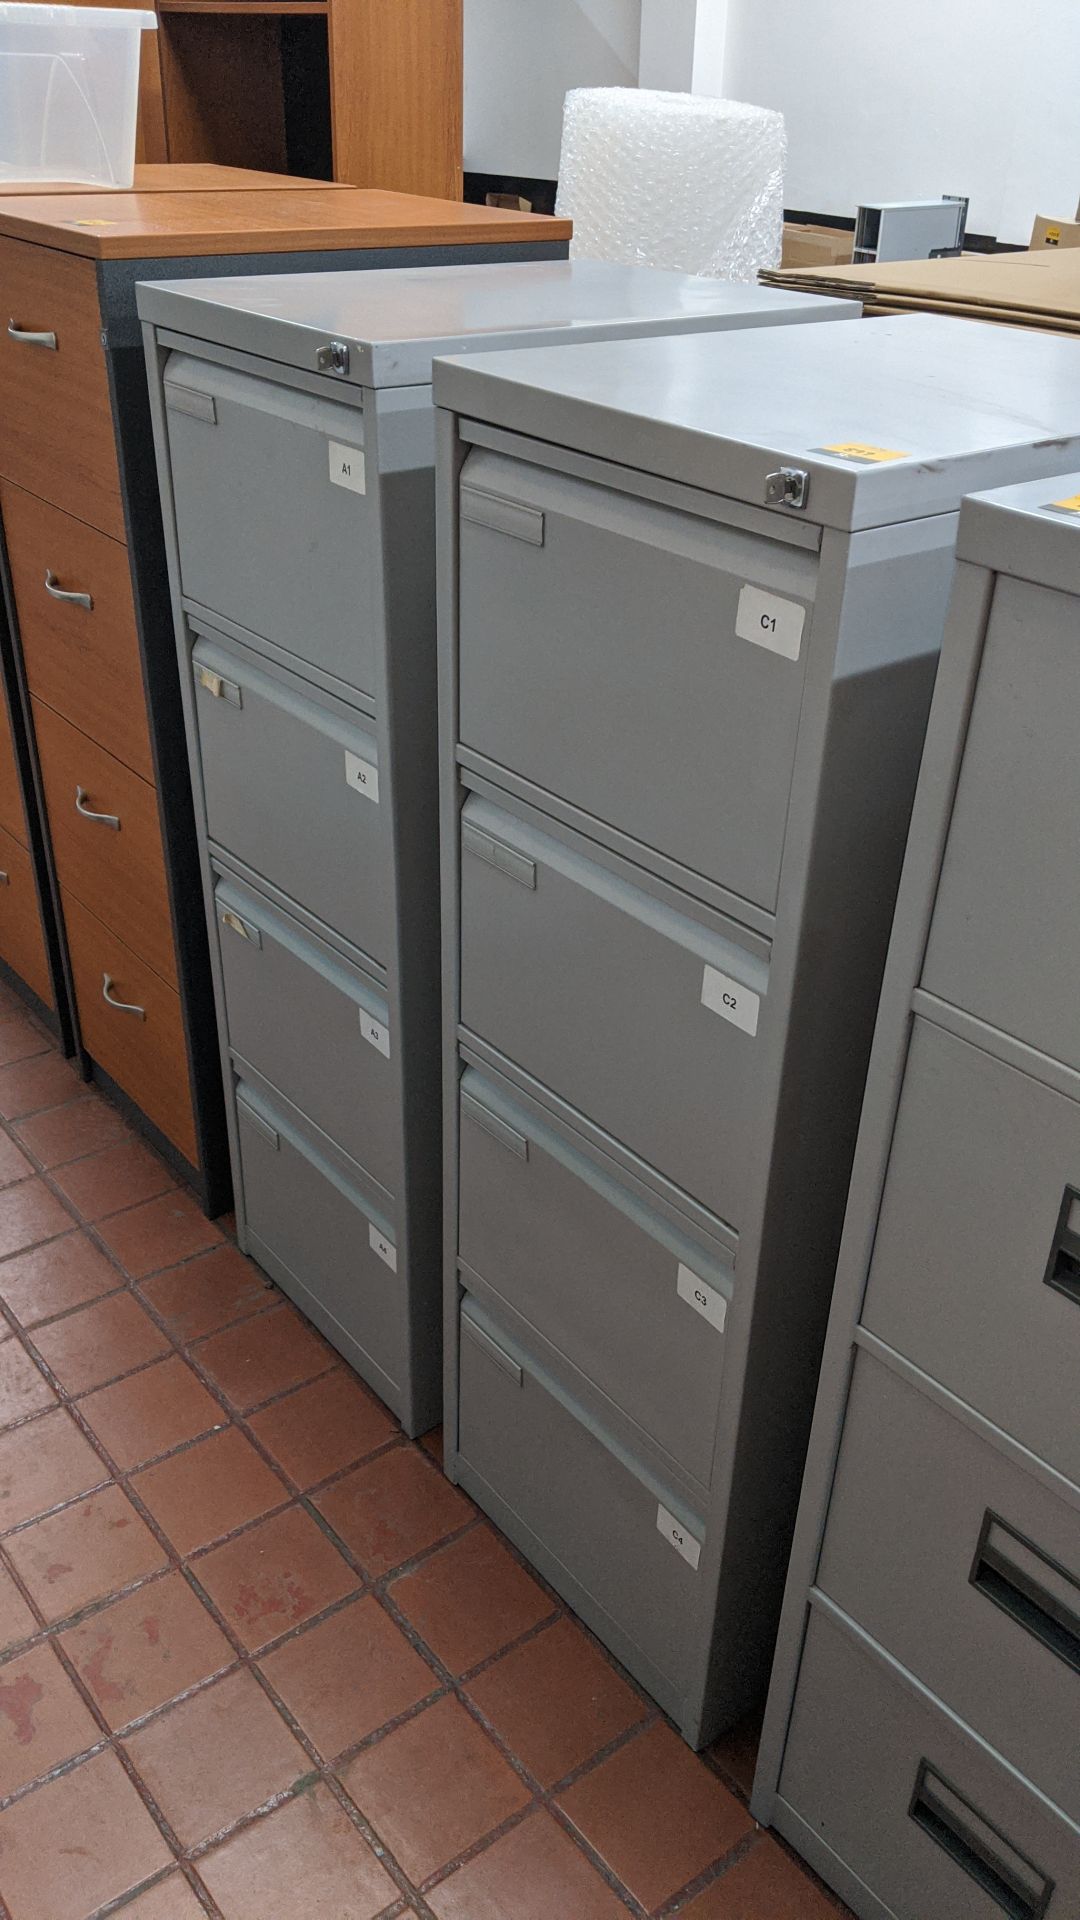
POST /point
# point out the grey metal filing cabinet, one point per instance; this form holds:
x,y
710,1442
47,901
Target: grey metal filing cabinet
x,y
922,1741
295,441
692,593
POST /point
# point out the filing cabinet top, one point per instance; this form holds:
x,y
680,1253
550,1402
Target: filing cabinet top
x,y
315,218
1031,531
395,323
890,421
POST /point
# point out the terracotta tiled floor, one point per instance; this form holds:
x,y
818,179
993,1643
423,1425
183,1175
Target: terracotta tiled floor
x,y
258,1660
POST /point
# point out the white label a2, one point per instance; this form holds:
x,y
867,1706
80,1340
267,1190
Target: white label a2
x,y
706,1300
348,467
362,776
677,1536
731,1000
375,1033
770,622
385,1248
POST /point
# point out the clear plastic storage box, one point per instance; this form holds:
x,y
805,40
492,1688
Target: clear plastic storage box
x,y
69,92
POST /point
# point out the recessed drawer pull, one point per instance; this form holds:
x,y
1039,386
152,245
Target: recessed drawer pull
x,y
252,1119
27,338
502,516
70,598
516,866
503,1360
1063,1266
122,1006
110,820
1011,1881
217,684
245,928
507,1136
1038,1594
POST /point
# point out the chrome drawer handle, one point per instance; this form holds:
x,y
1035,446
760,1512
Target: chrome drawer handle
x,y
5,879
28,338
122,1006
65,594
111,820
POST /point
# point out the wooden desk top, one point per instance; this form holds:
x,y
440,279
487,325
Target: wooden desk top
x,y
196,177
301,219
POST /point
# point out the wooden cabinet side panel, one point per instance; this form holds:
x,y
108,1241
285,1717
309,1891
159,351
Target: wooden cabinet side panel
x,y
396,80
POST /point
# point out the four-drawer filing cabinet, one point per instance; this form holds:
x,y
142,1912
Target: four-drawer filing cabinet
x,y
296,449
691,597
922,1742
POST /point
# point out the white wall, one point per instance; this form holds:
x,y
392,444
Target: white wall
x,y
522,56
902,102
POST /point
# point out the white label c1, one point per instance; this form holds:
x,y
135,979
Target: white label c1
x,y
362,776
375,1033
677,1536
731,1000
385,1248
348,468
706,1300
770,622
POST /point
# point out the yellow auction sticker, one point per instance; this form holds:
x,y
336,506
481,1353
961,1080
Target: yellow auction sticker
x,y
93,223
1071,505
855,450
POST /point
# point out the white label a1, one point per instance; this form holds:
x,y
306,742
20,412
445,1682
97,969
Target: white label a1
x,y
385,1248
731,1000
677,1536
770,622
706,1300
348,467
375,1033
362,776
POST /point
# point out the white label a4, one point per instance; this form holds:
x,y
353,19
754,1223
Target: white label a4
x,y
362,776
770,622
348,467
706,1300
731,1000
375,1033
677,1536
385,1248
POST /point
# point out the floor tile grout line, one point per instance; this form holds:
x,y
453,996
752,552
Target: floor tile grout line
x,y
736,1853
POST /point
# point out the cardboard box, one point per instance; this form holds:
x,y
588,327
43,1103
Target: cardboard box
x,y
1055,233
806,246
1040,288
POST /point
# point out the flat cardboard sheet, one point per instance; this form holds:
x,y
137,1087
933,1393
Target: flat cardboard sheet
x,y
1040,288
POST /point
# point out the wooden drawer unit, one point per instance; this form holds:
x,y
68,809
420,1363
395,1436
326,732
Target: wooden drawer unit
x,y
106,838
22,943
81,659
131,1024
56,426
12,816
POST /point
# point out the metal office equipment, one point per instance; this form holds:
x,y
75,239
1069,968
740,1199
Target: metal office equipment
x,y
910,229
295,440
921,1742
691,597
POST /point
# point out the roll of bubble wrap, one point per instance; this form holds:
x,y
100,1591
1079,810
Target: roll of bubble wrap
x,y
673,180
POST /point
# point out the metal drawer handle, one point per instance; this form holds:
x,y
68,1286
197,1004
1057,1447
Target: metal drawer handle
x,y
65,594
5,879
110,820
1032,1589
122,1006
1063,1267
1013,1882
29,339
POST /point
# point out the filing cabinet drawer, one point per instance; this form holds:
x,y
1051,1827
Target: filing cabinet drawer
x,y
324,1239
614,997
118,871
12,816
583,1512
83,661
142,1050
966,1569
292,788
1002,941
976,1267
275,529
632,1297
601,657
56,428
313,1025
931,1822
22,942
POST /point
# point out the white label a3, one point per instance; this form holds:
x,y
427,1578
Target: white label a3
x,y
770,622
677,1536
348,467
375,1033
731,1000
385,1248
706,1300
362,776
